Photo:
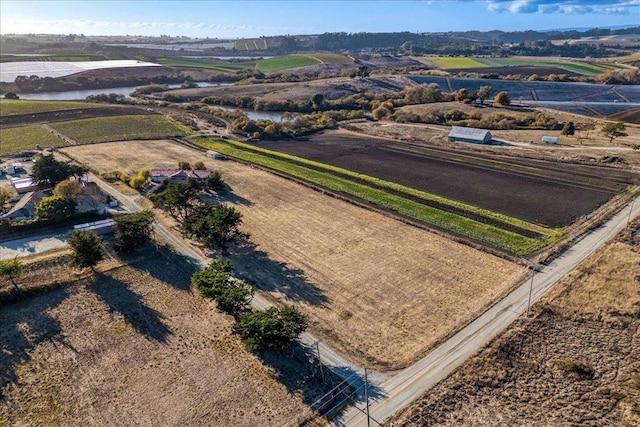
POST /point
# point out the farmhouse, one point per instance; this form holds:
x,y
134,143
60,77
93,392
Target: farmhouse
x,y
173,175
26,207
473,135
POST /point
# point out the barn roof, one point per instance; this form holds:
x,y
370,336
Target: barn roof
x,y
468,133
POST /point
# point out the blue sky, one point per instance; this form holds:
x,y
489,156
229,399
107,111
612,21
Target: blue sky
x,y
237,19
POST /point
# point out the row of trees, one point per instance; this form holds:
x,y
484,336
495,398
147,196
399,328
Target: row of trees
x,y
275,329
214,225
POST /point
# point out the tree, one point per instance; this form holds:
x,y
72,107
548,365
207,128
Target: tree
x,y
199,166
317,100
614,130
215,225
69,189
274,329
5,195
179,199
11,95
485,92
568,129
56,208
11,268
502,98
88,248
462,95
48,170
215,181
133,230
232,296
184,165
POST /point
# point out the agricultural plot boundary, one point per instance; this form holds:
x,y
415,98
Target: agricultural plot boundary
x,y
509,234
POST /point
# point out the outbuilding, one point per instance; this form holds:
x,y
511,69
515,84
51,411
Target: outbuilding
x,y
550,139
473,135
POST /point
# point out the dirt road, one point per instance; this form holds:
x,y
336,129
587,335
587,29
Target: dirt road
x,y
411,382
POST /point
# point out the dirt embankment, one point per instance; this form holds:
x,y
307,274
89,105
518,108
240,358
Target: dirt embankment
x,y
577,362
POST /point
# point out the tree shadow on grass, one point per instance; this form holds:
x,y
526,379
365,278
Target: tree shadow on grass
x,y
256,268
227,195
169,267
23,326
117,295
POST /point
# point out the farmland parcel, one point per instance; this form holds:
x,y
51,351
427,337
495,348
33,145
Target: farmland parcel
x,y
133,346
368,282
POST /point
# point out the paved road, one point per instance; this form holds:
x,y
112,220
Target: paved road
x,y
341,366
410,383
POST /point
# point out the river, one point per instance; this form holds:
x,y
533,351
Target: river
x,y
75,95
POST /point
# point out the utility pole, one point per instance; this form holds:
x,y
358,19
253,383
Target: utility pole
x,y
630,210
366,396
533,273
319,362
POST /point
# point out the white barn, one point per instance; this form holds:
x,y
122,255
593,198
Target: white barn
x,y
473,135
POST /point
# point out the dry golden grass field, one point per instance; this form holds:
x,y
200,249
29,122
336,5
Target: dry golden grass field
x,y
376,289
577,362
132,346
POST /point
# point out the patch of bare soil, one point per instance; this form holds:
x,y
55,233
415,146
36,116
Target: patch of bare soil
x,y
577,362
133,346
586,147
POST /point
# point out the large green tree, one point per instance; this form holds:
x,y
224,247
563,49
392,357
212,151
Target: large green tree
x,y
11,268
133,230
88,248
56,208
273,329
569,128
179,199
215,225
232,296
47,170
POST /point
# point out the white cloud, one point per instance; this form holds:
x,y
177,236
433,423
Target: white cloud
x,y
569,7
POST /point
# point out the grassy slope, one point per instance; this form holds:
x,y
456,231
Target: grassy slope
x,y
573,66
26,138
488,234
23,106
285,62
120,128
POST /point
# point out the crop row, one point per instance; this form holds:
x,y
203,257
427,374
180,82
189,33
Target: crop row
x,y
379,194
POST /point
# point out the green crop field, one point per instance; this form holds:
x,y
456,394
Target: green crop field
x,y
209,63
396,198
455,62
25,138
285,62
579,67
23,106
332,58
120,128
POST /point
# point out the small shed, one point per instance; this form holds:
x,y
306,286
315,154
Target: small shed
x,y
473,135
105,226
215,155
550,139
24,185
